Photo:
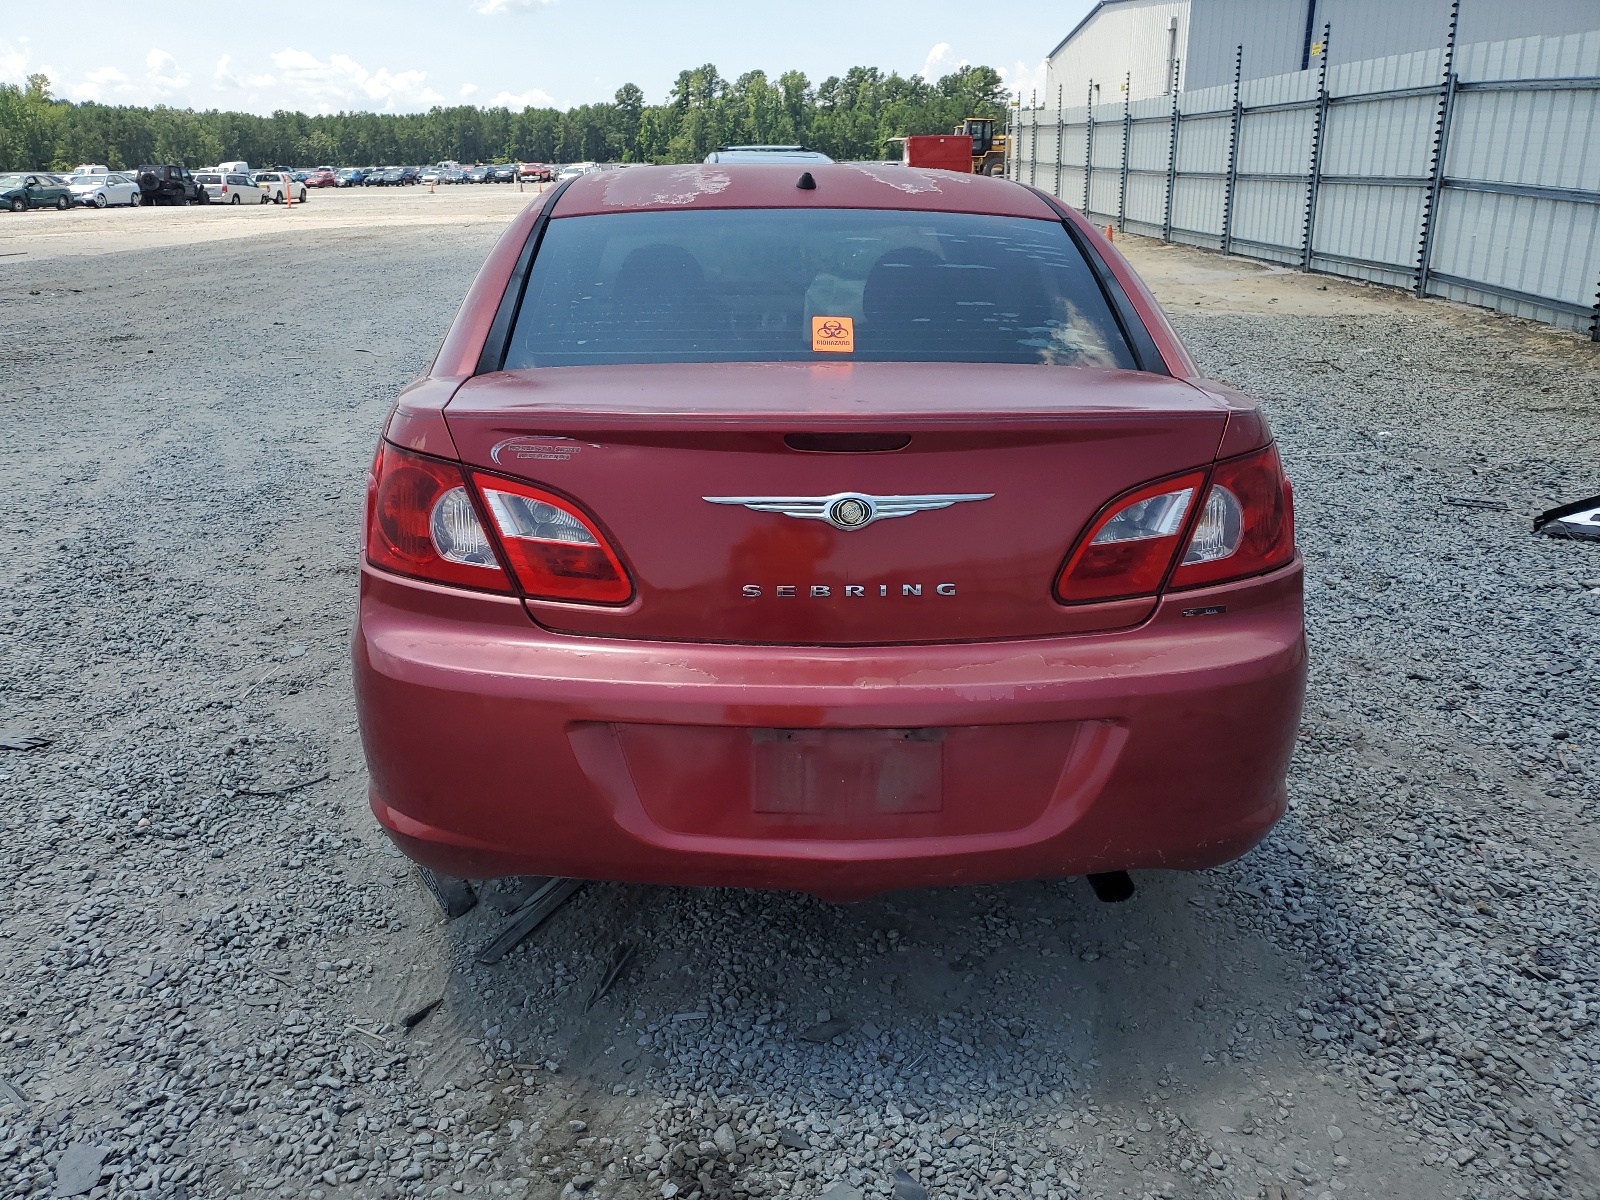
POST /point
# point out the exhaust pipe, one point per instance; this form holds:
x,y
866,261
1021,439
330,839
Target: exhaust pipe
x,y
1112,887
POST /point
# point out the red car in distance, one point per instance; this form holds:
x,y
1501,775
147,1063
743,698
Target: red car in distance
x,y
839,529
322,177
537,172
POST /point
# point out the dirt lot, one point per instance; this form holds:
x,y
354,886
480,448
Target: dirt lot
x,y
209,949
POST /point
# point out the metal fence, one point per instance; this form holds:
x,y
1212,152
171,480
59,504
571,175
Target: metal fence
x,y
1469,172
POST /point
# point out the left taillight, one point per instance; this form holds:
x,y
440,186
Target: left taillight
x,y
421,522
555,550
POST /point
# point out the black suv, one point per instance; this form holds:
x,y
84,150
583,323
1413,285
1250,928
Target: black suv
x,y
170,185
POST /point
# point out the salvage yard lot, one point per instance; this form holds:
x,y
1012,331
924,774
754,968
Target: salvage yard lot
x,y
209,950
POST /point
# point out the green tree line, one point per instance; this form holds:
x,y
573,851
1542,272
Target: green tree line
x,y
848,117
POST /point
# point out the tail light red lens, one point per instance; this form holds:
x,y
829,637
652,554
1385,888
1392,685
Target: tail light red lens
x,y
1130,546
420,522
555,551
1246,526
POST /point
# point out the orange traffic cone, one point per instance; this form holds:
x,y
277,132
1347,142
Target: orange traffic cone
x,y
1111,233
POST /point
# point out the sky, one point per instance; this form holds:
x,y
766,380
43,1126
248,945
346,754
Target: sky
x,y
405,55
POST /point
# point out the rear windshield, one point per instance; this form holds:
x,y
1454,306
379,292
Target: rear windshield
x,y
208,178
787,285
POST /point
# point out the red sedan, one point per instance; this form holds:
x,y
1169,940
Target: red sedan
x,y
322,177
839,530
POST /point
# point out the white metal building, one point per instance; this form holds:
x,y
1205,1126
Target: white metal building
x,y
1143,42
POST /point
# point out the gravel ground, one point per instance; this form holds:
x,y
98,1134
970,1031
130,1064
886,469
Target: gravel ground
x,y
209,950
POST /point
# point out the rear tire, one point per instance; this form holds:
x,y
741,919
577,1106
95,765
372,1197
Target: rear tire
x,y
278,199
302,199
63,203
235,200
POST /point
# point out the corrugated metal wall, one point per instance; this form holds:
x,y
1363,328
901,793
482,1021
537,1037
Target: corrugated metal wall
x,y
1132,35
1339,171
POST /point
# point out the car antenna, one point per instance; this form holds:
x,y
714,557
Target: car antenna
x,y
806,183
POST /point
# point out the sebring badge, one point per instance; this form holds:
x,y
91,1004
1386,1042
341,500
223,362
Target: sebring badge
x,y
849,510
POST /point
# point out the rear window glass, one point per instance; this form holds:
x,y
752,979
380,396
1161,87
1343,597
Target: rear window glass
x,y
208,178
786,285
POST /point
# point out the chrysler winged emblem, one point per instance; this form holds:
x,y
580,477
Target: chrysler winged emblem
x,y
849,510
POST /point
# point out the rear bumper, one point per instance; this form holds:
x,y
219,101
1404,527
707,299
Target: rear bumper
x,y
497,748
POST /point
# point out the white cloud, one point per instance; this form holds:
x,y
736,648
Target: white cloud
x,y
14,60
226,76
1025,79
532,98
97,85
467,89
940,61
493,8
341,81
162,74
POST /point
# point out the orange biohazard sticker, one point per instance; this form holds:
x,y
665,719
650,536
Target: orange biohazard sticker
x,y
834,335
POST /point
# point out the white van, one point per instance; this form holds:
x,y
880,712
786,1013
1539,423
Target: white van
x,y
90,169
230,187
278,185
233,168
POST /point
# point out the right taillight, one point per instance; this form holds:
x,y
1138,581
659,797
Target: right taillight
x,y
1244,527
1129,549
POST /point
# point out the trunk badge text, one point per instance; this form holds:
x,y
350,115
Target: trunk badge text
x,y
849,510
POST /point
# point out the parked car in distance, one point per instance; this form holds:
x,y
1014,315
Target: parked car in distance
x,y
767,154
279,185
231,187
322,177
502,173
91,169
478,174
534,172
758,630
102,190
350,177
34,189
451,175
410,174
169,184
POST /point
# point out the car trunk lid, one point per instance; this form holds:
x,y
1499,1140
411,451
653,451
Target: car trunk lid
x,y
676,463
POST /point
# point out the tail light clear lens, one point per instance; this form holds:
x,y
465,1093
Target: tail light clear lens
x,y
1216,536
1131,544
555,551
1247,525
457,535
420,522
